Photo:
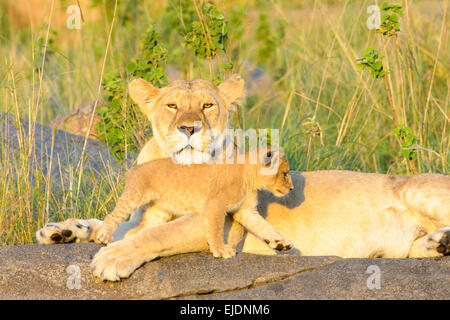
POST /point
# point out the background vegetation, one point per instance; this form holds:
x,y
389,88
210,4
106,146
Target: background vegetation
x,y
345,97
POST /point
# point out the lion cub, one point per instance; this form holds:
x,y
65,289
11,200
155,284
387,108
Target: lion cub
x,y
210,189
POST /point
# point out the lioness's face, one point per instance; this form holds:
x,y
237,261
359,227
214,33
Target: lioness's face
x,y
188,118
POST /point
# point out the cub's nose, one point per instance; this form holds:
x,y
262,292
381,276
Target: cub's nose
x,y
189,131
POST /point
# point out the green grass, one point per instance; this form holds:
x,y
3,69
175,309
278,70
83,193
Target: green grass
x,y
332,116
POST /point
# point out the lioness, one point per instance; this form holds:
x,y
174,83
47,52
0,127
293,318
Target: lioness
x,y
343,213
219,188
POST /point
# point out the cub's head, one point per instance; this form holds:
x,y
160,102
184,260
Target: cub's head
x,y
189,117
273,172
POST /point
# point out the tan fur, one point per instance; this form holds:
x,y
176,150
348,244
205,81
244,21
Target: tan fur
x,y
210,189
343,213
189,99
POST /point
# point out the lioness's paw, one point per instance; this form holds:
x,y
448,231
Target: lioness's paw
x,y
115,262
71,230
439,240
224,251
280,244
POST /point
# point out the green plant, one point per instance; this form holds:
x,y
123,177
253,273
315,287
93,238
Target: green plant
x,y
407,141
40,45
128,10
149,63
208,35
372,60
236,26
269,38
122,125
390,19
178,16
354,114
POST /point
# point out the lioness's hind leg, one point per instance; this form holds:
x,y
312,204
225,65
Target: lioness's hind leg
x,y
70,230
435,244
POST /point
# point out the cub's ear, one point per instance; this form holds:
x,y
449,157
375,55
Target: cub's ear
x,y
233,89
270,160
142,93
267,156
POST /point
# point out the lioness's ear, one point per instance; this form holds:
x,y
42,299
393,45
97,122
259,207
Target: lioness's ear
x,y
233,88
142,93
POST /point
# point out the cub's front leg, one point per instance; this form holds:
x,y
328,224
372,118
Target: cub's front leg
x,y
251,220
131,199
214,214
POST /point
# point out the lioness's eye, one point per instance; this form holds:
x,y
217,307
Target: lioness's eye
x,y
171,105
207,105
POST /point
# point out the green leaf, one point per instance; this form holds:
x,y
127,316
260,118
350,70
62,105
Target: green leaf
x,y
368,52
385,6
378,65
228,66
360,67
131,67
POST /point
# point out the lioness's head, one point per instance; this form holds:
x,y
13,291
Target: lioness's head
x,y
188,117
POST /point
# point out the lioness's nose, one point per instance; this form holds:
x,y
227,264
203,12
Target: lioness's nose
x,y
189,131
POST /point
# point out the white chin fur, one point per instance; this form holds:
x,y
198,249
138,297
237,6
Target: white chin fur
x,y
191,156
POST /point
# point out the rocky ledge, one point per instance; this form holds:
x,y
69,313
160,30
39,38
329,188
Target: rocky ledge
x,y
62,272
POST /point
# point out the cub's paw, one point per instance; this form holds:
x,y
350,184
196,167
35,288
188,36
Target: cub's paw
x,y
114,262
280,244
71,230
224,251
105,235
439,240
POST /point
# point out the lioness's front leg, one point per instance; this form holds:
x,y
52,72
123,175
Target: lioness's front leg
x,y
120,259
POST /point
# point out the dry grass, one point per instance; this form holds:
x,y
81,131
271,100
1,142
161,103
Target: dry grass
x,y
332,116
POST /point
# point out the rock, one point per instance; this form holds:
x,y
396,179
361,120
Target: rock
x,y
257,81
78,121
55,153
348,279
51,272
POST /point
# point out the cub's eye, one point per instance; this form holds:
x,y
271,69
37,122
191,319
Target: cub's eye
x,y
285,174
208,105
171,106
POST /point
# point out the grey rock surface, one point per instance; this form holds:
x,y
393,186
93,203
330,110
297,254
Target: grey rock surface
x,y
50,272
55,153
